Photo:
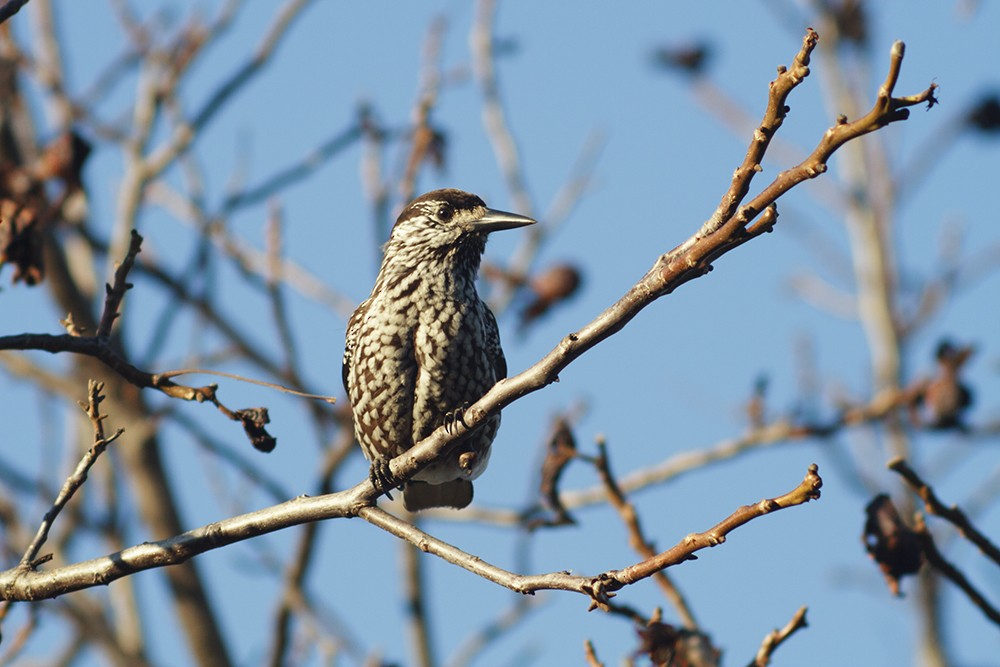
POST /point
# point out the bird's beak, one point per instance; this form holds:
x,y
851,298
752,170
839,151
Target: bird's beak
x,y
494,221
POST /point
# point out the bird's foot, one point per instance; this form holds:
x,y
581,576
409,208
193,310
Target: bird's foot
x,y
456,416
382,478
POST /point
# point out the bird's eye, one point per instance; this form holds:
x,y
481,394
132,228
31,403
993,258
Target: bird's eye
x,y
445,212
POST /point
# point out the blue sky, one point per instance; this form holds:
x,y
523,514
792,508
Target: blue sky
x,y
672,381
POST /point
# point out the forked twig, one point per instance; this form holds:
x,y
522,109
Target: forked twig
x,y
30,559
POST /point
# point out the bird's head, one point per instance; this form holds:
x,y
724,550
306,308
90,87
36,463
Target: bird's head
x,y
441,223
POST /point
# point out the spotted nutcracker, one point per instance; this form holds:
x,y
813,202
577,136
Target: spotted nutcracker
x,y
423,346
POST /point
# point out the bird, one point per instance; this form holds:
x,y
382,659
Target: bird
x,y
423,346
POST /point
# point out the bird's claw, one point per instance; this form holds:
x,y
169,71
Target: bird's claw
x,y
382,478
456,416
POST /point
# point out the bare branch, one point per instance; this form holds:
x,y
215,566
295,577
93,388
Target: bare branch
x,y
951,572
776,638
92,407
116,291
294,173
252,419
101,349
637,539
600,588
774,116
808,489
16,584
425,140
20,584
185,133
494,120
953,514
591,655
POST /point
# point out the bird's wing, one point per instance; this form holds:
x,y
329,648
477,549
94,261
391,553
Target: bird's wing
x,y
351,339
493,344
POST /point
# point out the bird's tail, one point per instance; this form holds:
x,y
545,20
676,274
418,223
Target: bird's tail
x,y
422,496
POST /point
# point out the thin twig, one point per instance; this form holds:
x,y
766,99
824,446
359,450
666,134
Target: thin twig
x,y
637,539
494,121
275,285
50,67
159,378
776,638
951,572
201,306
774,116
120,285
808,489
953,514
423,137
562,205
246,258
257,475
591,655
293,173
252,419
30,560
184,134
93,346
